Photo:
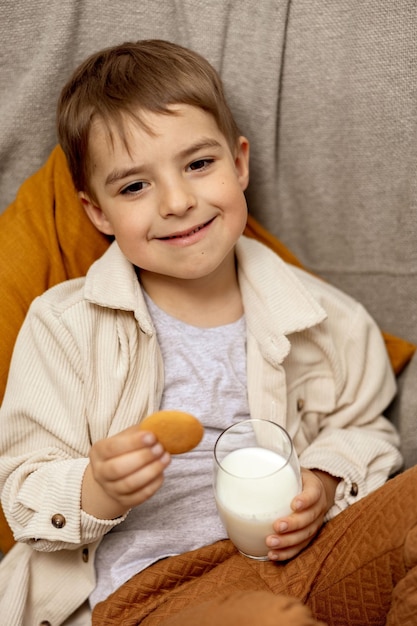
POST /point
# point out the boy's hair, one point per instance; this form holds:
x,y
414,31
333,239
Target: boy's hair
x,y
149,75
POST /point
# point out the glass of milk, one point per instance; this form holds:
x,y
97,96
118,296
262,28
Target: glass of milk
x,y
256,476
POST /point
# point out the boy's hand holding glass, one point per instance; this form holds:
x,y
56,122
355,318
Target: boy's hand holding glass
x,y
124,471
259,487
256,479
295,532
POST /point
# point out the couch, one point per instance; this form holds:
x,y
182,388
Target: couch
x,y
325,93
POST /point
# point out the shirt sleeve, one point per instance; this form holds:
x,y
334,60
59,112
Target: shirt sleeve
x,y
45,439
356,443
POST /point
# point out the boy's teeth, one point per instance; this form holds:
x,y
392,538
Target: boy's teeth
x,y
187,234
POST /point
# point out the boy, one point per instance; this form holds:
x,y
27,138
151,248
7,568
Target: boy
x,y
181,312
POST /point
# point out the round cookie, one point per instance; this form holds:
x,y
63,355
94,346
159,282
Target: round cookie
x,y
177,431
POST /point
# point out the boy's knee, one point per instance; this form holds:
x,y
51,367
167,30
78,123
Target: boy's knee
x,y
253,608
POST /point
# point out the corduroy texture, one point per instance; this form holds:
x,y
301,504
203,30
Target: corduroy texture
x,y
49,233
361,568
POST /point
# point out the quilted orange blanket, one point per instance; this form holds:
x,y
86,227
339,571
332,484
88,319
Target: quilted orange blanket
x,y
361,570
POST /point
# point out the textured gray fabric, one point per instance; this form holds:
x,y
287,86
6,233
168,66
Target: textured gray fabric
x,y
325,91
347,151
403,413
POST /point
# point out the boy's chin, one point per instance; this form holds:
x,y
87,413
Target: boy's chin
x,y
192,273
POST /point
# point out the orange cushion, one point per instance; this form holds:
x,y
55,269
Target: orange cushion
x,y
399,350
46,238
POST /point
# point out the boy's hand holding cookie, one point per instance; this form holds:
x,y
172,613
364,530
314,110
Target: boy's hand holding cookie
x,y
124,471
127,469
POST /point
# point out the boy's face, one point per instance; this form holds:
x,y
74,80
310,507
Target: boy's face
x,y
174,200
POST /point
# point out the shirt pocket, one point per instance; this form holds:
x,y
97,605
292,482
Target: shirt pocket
x,y
309,401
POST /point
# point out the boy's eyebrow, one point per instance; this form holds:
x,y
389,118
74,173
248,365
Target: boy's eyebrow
x,y
202,144
117,175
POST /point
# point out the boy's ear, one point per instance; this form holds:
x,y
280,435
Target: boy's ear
x,y
242,161
95,214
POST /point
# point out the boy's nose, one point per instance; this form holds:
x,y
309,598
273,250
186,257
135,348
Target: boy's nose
x,y
176,199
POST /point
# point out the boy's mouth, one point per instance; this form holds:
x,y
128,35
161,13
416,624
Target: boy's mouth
x,y
186,233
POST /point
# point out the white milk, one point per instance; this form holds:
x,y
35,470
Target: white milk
x,y
257,491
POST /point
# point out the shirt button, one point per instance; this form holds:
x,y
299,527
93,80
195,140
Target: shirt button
x,y
85,555
354,490
300,404
58,520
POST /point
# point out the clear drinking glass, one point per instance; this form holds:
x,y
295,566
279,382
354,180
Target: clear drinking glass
x,y
256,475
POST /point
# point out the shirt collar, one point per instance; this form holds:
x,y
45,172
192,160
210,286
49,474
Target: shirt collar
x,y
112,282
275,300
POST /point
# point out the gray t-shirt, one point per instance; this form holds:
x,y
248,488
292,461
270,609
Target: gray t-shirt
x,y
205,374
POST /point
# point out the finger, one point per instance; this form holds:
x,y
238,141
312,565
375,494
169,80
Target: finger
x,y
287,545
139,496
306,499
126,441
139,479
285,554
120,467
283,542
299,521
139,486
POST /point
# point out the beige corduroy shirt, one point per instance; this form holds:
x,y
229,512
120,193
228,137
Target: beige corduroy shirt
x,y
87,365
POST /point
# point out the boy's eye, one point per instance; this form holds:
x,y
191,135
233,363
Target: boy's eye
x,y
133,188
200,164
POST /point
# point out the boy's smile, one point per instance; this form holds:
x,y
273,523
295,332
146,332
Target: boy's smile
x,y
172,194
178,238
